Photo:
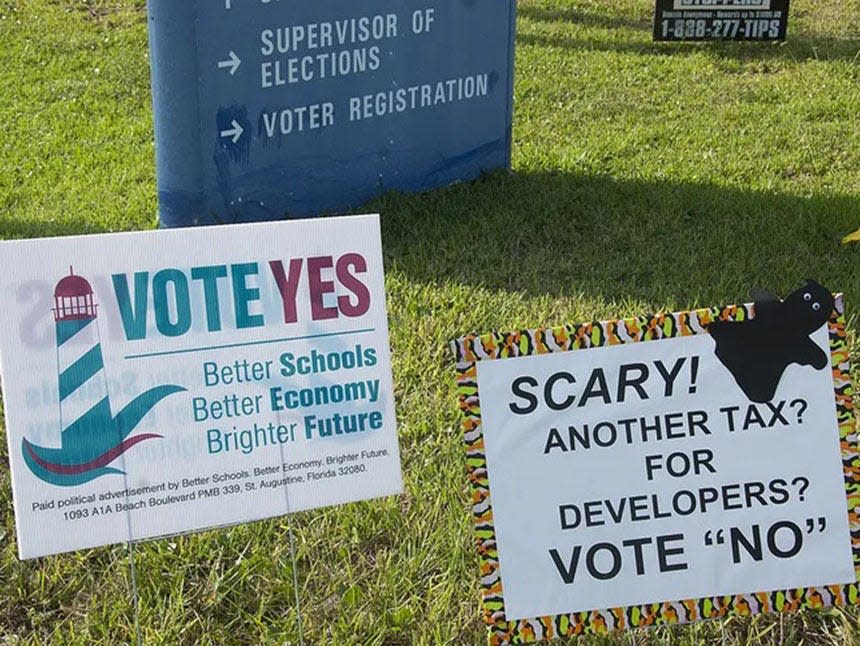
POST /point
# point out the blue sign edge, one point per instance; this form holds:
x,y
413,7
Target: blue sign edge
x,y
175,105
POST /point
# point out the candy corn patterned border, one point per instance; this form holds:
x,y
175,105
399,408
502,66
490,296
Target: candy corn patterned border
x,y
473,348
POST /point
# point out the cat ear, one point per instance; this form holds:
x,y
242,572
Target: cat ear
x,y
759,295
814,284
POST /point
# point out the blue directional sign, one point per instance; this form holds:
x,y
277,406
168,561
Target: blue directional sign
x,y
270,109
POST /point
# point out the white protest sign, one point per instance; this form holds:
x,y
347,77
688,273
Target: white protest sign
x,y
163,382
689,466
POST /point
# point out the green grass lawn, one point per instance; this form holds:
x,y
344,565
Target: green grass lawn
x,y
646,177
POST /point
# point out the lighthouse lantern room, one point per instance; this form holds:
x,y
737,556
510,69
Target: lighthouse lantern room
x,y
73,299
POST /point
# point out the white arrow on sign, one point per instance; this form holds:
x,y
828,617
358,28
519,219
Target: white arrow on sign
x,y
233,63
235,132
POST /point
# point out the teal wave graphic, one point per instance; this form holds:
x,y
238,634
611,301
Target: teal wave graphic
x,y
94,441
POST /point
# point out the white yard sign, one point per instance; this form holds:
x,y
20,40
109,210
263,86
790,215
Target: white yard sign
x,y
622,495
163,382
661,459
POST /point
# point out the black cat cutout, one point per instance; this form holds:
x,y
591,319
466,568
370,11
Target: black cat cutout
x,y
758,351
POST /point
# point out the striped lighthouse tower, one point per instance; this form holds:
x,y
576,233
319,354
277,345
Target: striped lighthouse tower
x,y
80,365
92,438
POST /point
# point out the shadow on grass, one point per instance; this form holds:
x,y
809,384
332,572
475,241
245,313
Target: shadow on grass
x,y
14,228
659,243
576,16
664,244
796,48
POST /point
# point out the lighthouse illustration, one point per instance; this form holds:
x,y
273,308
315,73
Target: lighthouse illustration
x,y
92,436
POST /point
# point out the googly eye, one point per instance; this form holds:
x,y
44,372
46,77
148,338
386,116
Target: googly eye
x,y
816,306
807,297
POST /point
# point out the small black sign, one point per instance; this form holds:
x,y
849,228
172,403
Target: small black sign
x,y
677,20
